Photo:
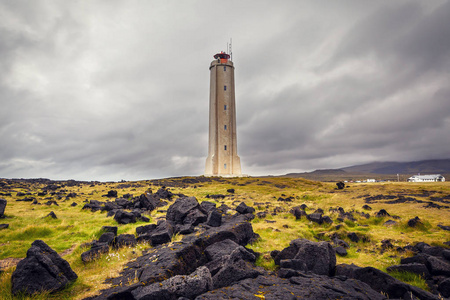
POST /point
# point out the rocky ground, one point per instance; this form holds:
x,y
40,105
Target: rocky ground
x,y
205,249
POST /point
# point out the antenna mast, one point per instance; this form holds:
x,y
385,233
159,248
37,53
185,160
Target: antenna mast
x,y
231,51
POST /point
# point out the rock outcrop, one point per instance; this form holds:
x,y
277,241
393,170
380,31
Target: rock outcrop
x,y
3,203
42,270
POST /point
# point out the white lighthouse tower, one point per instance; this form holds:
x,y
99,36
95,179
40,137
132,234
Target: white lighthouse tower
x,y
222,157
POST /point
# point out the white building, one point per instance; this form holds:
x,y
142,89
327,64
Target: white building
x,y
426,178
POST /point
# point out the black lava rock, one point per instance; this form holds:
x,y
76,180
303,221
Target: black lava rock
x,y
42,270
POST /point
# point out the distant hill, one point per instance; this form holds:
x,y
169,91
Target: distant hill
x,y
379,170
414,167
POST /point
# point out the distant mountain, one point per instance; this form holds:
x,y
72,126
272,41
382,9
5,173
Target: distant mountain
x,y
383,170
414,167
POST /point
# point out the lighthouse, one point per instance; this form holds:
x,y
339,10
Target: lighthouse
x,y
222,157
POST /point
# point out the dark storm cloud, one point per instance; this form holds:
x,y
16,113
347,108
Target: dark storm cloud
x,y
119,90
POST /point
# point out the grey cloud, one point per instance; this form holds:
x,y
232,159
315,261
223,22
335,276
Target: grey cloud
x,y
119,90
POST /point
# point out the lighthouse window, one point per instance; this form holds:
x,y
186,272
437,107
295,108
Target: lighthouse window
x,y
225,147
225,107
224,166
224,68
224,87
224,127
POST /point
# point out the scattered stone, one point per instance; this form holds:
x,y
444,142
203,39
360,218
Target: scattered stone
x,y
261,214
340,185
327,219
111,194
52,215
390,223
124,240
226,247
299,213
208,206
112,229
214,218
218,196
234,269
185,229
195,217
367,207
353,237
244,209
340,251
107,238
341,243
287,199
382,282
414,222
124,217
4,226
163,193
317,257
161,234
180,209
231,191
386,244
315,217
42,270
382,213
438,266
190,286
74,204
94,253
319,211
444,227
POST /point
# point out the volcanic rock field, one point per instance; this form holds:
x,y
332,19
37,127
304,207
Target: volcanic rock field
x,y
216,238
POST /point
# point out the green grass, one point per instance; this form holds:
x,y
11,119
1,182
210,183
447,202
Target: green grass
x,y
411,278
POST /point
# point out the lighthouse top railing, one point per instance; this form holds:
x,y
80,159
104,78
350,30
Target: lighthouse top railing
x,y
222,56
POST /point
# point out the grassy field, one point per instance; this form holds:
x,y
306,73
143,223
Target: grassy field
x,y
74,226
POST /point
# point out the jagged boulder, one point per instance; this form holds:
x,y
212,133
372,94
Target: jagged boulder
x,y
235,267
163,193
305,255
161,234
179,210
243,208
188,286
208,206
214,218
219,249
124,217
42,270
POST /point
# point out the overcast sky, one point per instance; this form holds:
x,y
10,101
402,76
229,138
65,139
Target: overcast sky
x,y
111,90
